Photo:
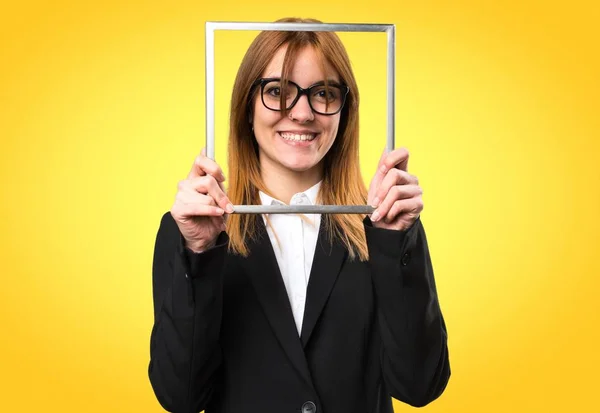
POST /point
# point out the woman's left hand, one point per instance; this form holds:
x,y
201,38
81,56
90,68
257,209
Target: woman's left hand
x,y
396,193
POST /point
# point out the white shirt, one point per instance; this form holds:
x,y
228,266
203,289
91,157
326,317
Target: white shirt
x,y
296,247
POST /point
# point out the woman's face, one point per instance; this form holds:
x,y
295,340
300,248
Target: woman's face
x,y
299,141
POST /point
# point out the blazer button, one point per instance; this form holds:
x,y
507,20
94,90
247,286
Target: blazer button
x,y
405,258
309,407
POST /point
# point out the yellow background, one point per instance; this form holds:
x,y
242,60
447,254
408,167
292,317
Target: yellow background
x,y
102,112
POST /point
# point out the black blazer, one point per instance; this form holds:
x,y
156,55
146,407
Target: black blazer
x,y
224,338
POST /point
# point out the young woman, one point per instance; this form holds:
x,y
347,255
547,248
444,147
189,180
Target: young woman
x,y
283,313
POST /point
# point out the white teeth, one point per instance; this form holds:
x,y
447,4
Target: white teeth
x,y
297,137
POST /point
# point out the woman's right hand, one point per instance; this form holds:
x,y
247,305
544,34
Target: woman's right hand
x,y
200,204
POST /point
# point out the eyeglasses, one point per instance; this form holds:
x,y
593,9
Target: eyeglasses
x,y
324,100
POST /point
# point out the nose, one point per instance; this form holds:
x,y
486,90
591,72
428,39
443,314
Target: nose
x,y
301,111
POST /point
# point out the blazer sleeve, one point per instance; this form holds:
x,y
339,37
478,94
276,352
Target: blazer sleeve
x,y
185,355
414,352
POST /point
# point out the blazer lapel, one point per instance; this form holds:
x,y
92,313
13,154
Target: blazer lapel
x,y
270,289
327,263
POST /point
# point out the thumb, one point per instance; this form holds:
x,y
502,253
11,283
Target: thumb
x,y
379,174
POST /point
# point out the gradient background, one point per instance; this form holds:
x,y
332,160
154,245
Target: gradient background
x,y
102,112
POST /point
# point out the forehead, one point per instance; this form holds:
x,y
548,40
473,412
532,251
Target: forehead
x,y
306,67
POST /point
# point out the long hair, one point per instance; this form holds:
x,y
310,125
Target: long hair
x,y
342,181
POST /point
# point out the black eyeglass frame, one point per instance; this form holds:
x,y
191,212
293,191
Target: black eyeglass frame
x,y
302,91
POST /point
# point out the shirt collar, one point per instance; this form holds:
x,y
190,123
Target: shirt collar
x,y
311,193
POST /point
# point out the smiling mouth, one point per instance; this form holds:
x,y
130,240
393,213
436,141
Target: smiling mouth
x,y
298,137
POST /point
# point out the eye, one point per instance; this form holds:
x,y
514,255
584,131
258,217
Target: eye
x,y
322,94
274,91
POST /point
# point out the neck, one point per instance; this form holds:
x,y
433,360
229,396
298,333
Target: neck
x,y
283,183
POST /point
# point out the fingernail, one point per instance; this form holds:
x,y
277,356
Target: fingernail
x,y
220,211
376,202
229,208
383,169
375,216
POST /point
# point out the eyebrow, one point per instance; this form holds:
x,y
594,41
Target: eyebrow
x,y
329,80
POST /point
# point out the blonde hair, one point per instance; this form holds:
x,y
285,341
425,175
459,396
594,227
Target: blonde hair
x,y
342,181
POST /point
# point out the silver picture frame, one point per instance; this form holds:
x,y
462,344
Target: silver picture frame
x,y
213,26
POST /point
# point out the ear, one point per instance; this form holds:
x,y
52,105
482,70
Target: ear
x,y
250,121
250,113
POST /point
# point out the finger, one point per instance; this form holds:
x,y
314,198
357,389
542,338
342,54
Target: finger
x,y
382,157
196,169
396,193
398,158
189,198
221,185
208,185
206,166
411,207
392,178
188,204
379,175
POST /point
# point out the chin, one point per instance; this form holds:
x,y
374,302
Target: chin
x,y
299,167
